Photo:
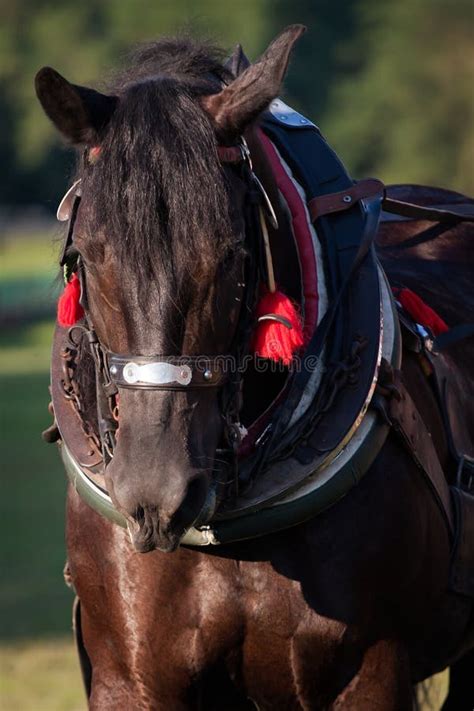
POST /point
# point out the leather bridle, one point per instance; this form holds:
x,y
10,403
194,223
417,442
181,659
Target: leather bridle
x,y
166,372
114,371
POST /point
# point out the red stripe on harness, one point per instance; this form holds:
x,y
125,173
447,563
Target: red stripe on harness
x,y
303,237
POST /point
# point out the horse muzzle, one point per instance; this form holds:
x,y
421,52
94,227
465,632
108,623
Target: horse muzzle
x,y
151,528
147,534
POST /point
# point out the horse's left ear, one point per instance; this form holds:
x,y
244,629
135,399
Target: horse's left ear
x,y
237,62
79,113
246,97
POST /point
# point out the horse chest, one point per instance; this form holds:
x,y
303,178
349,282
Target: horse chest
x,y
190,612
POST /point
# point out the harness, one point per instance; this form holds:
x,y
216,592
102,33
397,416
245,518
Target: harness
x,y
297,467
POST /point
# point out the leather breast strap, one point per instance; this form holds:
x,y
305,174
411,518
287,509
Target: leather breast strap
x,y
409,426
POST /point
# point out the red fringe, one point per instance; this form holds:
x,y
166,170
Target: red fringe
x,y
421,312
272,339
69,309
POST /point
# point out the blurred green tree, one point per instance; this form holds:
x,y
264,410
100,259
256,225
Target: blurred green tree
x,y
318,60
84,42
389,83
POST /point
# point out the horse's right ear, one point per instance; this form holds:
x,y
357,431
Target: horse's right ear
x,y
80,114
239,103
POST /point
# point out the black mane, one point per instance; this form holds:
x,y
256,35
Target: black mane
x,y
158,187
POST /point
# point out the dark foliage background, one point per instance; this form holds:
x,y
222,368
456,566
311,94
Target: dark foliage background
x,y
389,83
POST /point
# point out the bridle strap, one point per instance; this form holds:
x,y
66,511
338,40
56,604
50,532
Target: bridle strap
x,y
167,372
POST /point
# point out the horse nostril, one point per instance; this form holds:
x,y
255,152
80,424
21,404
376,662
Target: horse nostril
x,y
156,526
139,514
144,538
191,505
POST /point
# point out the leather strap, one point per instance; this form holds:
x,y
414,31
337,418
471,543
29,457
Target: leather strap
x,y
231,154
70,423
463,213
167,372
455,335
408,424
63,259
343,200
462,560
462,209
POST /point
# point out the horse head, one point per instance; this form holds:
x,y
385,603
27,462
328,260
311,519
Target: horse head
x,y
161,238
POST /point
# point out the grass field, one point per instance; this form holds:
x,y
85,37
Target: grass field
x,y
38,668
40,676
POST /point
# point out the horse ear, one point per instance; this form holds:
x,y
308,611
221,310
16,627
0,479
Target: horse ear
x,y
80,114
237,62
239,103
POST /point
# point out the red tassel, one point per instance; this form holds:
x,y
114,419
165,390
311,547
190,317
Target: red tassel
x,y
69,309
421,312
273,339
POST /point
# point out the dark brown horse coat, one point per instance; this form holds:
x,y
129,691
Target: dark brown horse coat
x,y
345,611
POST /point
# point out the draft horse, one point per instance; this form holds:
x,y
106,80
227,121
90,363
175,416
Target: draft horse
x,y
171,240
